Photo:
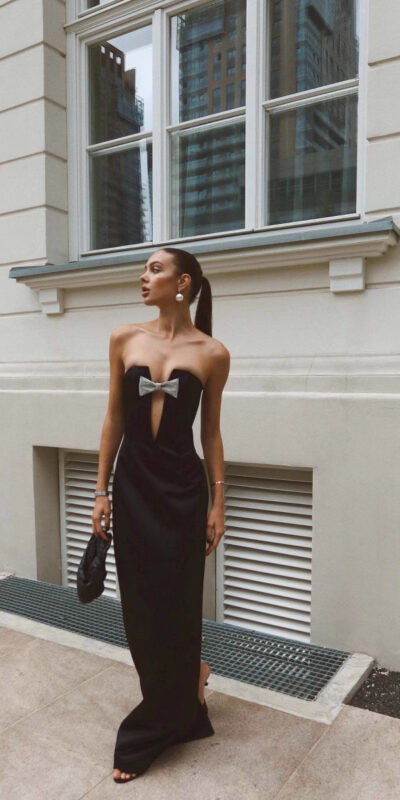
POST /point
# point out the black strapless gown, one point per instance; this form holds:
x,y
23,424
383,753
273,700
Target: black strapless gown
x,y
159,507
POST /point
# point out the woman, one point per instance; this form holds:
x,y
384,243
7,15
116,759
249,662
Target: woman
x,y
158,372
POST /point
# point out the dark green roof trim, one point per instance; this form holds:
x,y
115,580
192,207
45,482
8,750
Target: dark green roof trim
x,y
212,245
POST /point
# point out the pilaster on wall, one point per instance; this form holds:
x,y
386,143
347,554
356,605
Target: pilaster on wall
x,y
33,141
383,114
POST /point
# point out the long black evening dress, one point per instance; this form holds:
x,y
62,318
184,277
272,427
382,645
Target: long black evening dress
x,y
159,507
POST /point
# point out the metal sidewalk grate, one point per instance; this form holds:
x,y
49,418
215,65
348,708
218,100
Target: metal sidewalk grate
x,y
284,665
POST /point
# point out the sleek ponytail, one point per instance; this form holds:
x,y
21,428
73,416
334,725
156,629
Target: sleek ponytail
x,y
187,262
204,308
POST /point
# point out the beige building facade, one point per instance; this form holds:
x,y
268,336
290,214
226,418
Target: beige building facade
x,y
268,145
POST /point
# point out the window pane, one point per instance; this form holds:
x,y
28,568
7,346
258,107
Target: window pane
x,y
312,44
208,180
93,3
120,86
121,197
206,49
312,161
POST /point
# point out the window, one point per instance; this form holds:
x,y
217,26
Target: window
x,y
120,158
230,62
232,25
242,101
217,67
94,3
219,142
300,141
216,99
312,135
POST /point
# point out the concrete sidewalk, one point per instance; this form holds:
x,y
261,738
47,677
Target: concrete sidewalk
x,y
61,706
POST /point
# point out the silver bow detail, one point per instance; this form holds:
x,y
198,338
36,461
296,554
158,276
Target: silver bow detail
x,y
146,386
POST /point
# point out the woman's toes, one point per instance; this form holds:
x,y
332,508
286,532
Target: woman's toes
x,y
124,775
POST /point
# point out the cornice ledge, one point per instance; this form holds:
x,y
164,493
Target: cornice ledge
x,y
345,248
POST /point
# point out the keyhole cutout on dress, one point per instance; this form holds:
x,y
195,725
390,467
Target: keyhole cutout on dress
x,y
157,401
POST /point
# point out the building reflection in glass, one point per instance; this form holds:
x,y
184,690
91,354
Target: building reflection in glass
x,y
208,64
313,148
120,179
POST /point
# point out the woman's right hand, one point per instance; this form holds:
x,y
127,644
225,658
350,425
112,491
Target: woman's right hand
x,y
102,508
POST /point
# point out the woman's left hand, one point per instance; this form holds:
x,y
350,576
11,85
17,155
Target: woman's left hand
x,y
215,528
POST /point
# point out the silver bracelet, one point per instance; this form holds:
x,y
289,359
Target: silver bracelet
x,y
214,482
101,494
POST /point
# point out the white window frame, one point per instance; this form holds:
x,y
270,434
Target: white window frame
x,y
119,16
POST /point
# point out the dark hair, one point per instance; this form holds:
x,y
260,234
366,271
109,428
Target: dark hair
x,y
187,262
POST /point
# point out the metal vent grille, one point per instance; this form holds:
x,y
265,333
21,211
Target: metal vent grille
x,y
79,477
284,665
264,565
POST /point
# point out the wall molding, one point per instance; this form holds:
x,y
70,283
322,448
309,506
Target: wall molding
x,y
344,246
319,375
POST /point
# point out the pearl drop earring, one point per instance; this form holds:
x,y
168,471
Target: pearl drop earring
x,y
179,297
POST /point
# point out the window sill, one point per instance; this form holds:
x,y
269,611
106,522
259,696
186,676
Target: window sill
x,y
344,245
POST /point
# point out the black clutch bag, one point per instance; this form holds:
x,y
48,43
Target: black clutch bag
x,y
92,568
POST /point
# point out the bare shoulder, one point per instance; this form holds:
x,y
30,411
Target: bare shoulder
x,y
218,352
121,332
119,337
219,362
